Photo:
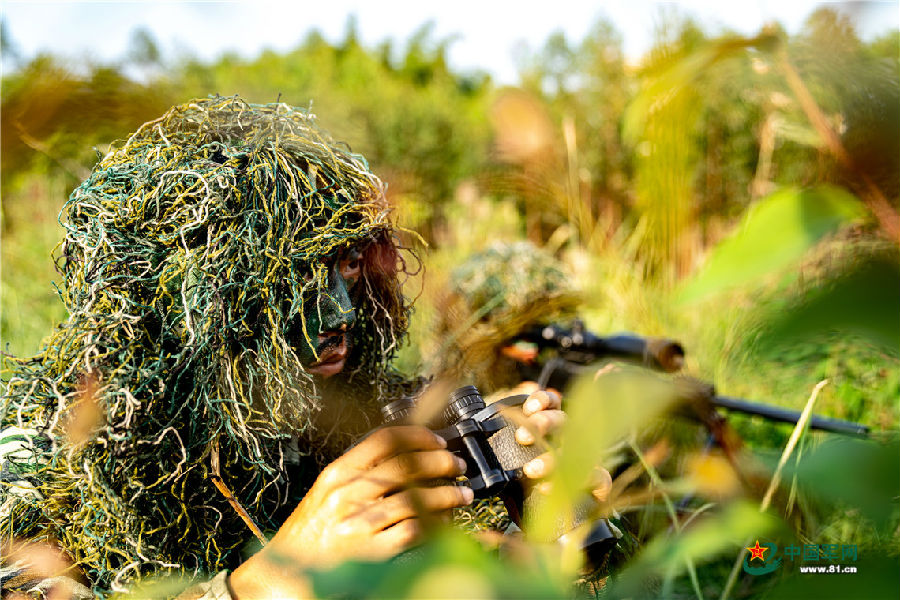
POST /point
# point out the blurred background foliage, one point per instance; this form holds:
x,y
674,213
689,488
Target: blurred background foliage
x,y
737,194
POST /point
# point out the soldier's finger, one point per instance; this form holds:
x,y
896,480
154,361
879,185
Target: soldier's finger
x,y
540,424
413,503
525,387
407,470
398,537
386,442
539,467
541,400
601,484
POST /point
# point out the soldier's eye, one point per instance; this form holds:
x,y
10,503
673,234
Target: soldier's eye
x,y
350,266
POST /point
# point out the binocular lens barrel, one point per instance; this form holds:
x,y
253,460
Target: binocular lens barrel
x,y
464,403
398,410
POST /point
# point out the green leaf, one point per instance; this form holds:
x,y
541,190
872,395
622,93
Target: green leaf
x,y
773,235
450,565
861,474
601,412
864,301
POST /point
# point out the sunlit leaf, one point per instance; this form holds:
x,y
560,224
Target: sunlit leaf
x,y
600,413
773,235
711,475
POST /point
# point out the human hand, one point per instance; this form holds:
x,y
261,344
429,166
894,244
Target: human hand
x,y
368,504
543,413
543,416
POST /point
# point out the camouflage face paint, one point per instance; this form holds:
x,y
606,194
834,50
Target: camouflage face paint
x,y
330,314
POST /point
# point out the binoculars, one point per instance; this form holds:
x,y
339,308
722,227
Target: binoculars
x,y
479,434
485,439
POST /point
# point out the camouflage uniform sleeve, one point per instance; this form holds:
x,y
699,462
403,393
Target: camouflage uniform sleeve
x,y
19,578
17,462
214,589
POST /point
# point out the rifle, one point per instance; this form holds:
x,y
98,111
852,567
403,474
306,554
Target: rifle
x,y
577,348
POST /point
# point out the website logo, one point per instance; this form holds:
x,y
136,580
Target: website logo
x,y
764,557
761,558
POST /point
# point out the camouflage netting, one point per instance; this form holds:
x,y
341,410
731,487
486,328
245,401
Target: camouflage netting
x,y
191,253
493,296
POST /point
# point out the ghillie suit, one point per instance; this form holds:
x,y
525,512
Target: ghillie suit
x,y
195,254
493,296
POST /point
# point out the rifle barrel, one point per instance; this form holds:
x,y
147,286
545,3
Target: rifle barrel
x,y
659,353
786,415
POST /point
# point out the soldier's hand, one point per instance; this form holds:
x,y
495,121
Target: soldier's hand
x,y
543,417
368,504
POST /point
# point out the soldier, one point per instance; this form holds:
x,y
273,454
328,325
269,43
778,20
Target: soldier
x,y
490,299
233,282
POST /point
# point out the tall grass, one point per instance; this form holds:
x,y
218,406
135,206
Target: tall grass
x,y
29,304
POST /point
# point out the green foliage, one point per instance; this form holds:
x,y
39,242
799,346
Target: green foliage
x,y
677,124
451,565
31,305
665,557
420,125
786,224
54,120
587,440
880,582
676,68
862,301
861,475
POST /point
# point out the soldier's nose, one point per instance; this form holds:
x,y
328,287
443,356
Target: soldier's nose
x,y
332,333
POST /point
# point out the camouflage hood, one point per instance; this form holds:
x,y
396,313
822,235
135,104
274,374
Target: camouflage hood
x,y
492,296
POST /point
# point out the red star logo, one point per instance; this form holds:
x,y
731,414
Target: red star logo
x,y
757,552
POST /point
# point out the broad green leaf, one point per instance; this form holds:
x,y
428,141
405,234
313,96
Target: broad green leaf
x,y
864,301
861,474
601,412
774,234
